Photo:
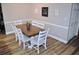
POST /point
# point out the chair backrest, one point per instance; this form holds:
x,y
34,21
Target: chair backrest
x,y
42,38
15,31
14,28
20,34
38,24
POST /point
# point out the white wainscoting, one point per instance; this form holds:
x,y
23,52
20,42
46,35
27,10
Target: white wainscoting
x,y
53,36
9,32
59,39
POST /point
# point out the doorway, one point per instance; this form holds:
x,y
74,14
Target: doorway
x,y
2,27
78,34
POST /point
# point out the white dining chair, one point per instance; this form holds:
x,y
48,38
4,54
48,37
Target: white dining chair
x,y
38,40
22,38
15,31
38,24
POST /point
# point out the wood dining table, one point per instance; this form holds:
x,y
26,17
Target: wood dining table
x,y
32,32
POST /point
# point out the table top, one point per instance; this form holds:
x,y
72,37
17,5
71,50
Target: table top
x,y
32,32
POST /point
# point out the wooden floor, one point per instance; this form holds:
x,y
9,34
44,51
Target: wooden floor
x,y
8,46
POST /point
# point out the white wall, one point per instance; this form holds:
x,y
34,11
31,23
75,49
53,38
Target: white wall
x,y
57,20
73,27
77,18
58,13
14,11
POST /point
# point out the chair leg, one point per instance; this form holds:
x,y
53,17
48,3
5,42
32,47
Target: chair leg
x,y
16,39
45,46
24,46
19,43
38,49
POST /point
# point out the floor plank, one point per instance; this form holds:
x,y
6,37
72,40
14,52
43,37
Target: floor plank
x,y
9,46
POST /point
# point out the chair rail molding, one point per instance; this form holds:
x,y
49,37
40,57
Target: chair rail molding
x,y
55,25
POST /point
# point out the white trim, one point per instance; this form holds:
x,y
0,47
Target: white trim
x,y
59,39
9,32
64,27
14,21
9,22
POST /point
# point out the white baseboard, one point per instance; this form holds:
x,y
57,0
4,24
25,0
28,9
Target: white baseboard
x,y
59,39
9,32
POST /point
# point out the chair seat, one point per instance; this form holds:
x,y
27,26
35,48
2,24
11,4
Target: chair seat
x,y
39,40
34,40
26,39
